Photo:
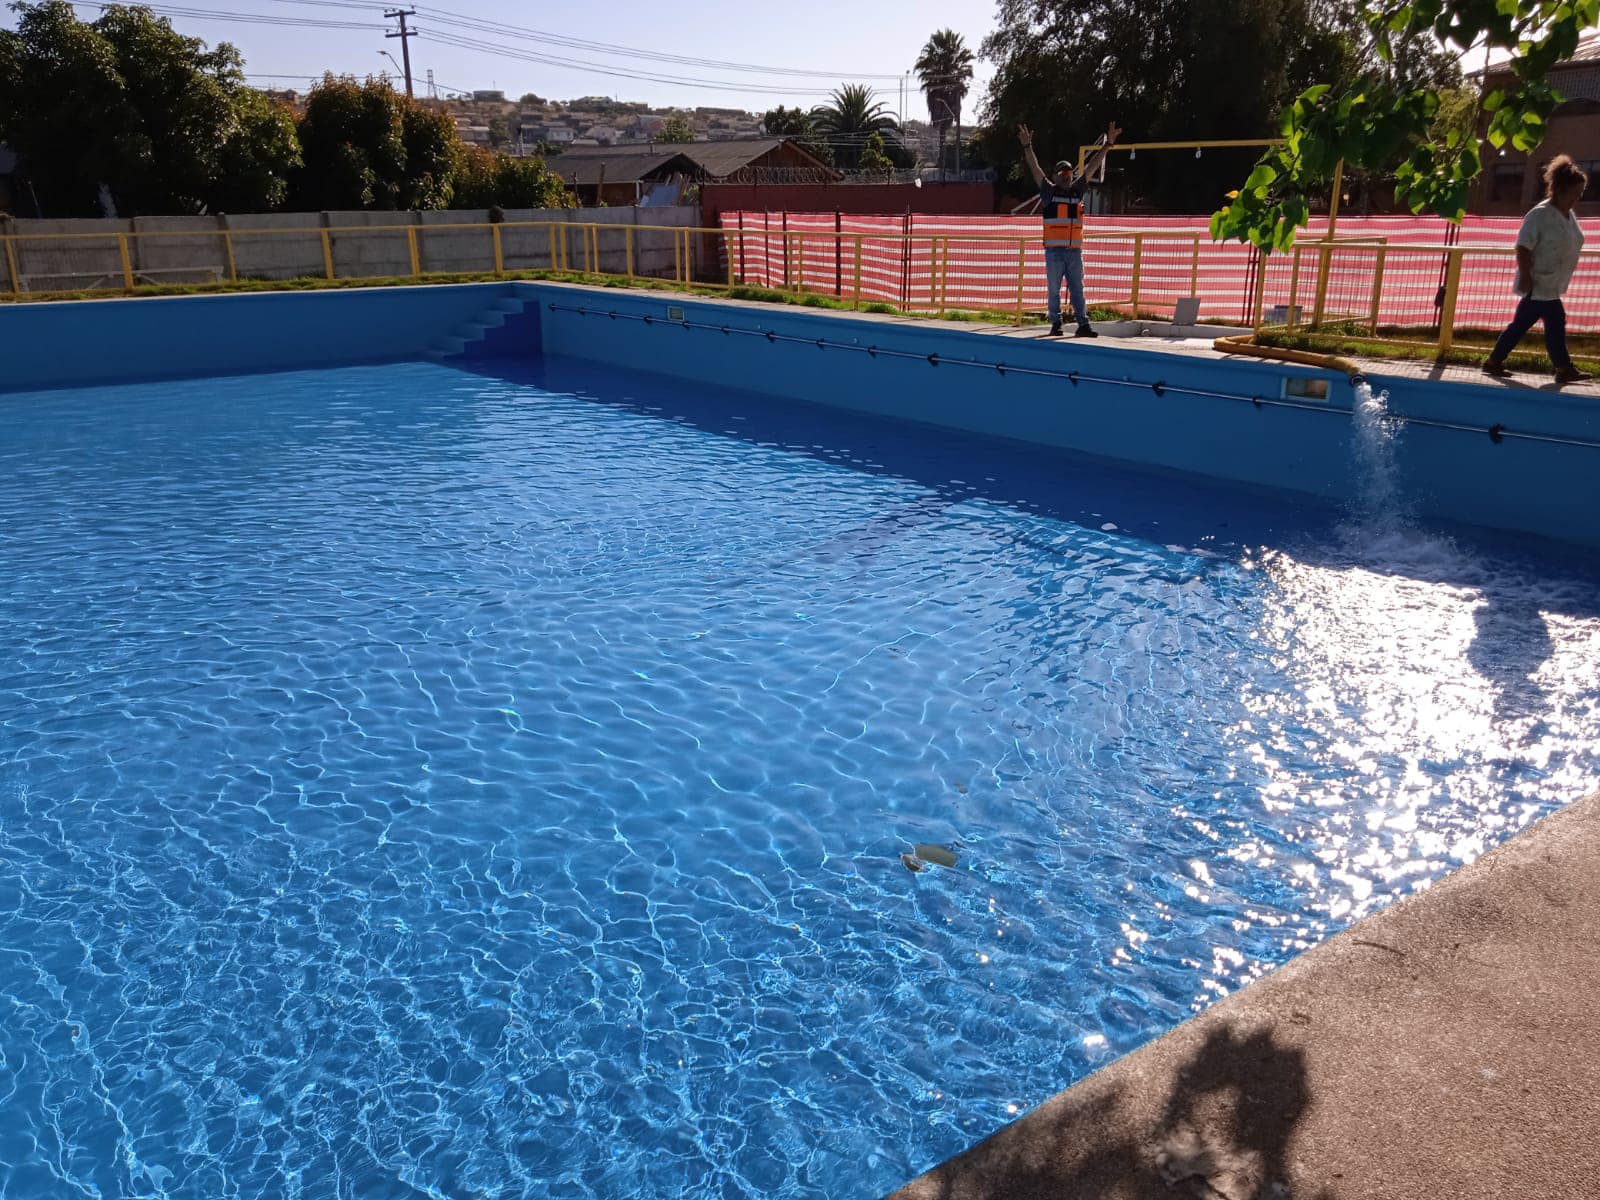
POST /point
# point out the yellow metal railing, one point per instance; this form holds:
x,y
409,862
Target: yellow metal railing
x,y
1370,285
568,246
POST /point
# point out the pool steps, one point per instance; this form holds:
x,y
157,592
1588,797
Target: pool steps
x,y
480,333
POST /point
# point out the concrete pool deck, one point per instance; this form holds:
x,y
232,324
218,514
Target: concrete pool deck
x,y
1448,1046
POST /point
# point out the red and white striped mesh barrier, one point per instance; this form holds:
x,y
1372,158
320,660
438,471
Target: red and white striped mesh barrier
x,y
1176,258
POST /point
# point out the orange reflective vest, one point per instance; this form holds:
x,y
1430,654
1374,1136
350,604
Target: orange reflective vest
x,y
1062,209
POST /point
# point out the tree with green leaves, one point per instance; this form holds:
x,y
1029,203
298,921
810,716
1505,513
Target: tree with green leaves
x,y
430,146
675,131
1389,119
125,106
874,157
367,146
854,114
255,162
796,123
1166,70
486,179
499,133
944,69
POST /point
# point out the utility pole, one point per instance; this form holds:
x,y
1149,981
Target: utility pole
x,y
405,35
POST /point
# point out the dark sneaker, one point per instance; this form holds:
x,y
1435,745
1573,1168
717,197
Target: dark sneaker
x,y
1571,375
1498,370
1055,329
1086,330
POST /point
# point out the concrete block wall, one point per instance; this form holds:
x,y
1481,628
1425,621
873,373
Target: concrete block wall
x,y
363,244
73,262
272,246
529,249
384,251
179,250
442,246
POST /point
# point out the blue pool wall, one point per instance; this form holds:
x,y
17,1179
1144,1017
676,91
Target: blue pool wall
x,y
1538,487
93,342
1543,488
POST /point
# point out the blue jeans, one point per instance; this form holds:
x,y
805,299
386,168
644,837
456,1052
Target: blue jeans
x,y
1529,312
1059,261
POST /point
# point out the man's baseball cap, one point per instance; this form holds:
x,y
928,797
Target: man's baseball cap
x,y
1063,165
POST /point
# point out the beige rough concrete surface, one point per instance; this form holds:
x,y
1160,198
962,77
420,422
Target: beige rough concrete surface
x,y
1447,1047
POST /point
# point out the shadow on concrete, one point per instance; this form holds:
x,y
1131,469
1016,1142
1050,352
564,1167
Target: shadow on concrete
x,y
1225,1132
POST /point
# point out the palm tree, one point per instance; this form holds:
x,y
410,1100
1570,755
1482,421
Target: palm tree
x,y
854,116
945,69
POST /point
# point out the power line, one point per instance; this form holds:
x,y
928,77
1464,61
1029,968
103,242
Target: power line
x,y
450,19
443,17
464,43
210,14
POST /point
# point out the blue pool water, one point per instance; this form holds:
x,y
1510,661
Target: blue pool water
x,y
416,782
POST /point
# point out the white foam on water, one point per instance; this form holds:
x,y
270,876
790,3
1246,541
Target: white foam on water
x,y
1377,499
1381,531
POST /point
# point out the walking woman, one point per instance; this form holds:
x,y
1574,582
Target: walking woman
x,y
1547,254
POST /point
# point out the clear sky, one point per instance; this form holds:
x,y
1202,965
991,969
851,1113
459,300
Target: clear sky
x,y
490,43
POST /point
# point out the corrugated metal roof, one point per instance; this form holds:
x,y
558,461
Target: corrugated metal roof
x,y
717,159
618,164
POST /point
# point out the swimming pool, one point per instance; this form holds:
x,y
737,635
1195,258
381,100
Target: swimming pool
x,y
422,780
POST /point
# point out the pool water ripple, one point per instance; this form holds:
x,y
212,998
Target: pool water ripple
x,y
416,781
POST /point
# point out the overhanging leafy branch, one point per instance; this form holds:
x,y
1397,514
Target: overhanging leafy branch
x,y
1379,126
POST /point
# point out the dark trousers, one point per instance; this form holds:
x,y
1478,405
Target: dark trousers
x,y
1529,313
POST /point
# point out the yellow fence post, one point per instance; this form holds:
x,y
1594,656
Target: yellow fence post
x,y
856,303
1325,260
127,261
233,265
1022,276
1452,289
944,277
550,229
499,252
11,266
1289,320
627,237
1138,254
327,254
735,245
1261,288
1377,286
416,253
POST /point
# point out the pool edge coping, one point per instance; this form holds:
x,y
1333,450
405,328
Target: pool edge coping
x,y
1446,1045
